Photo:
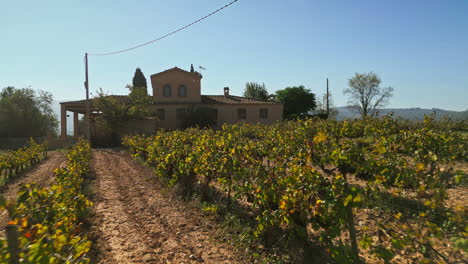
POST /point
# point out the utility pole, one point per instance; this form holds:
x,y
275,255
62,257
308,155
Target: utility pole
x,y
87,125
328,104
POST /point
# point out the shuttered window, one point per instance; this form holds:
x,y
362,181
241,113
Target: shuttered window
x,y
167,90
182,91
241,114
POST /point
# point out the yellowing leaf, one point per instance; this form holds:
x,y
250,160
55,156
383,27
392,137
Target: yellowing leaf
x,y
320,137
348,199
282,205
419,167
398,216
357,198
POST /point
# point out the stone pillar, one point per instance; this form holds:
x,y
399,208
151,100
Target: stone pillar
x,y
75,124
63,122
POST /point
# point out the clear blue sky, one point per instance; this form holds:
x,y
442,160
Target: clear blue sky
x,y
419,47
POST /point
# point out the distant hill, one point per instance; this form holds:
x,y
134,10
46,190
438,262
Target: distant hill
x,y
416,114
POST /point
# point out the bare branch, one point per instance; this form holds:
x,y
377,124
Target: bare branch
x,y
365,93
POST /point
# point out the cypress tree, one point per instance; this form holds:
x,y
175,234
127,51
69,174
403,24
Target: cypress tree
x,y
139,79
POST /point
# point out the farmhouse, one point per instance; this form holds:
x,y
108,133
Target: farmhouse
x,y
175,93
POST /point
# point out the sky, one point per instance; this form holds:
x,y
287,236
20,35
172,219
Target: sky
x,y
418,47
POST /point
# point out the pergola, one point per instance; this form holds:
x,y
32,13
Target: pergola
x,y
77,107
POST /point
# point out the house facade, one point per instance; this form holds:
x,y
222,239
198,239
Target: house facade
x,y
176,92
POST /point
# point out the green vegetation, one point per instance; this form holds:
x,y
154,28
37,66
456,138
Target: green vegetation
x,y
256,91
26,113
297,101
115,114
13,163
304,184
201,117
48,220
139,80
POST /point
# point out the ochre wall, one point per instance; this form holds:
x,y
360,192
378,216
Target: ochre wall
x,y
175,78
170,121
226,113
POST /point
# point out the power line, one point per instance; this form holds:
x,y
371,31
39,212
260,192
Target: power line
x,y
165,36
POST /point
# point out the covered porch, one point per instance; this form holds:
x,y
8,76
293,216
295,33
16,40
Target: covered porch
x,y
77,108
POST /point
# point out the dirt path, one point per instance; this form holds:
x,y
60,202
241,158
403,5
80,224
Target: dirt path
x,y
135,221
41,174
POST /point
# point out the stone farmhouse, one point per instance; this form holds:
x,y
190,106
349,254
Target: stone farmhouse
x,y
175,91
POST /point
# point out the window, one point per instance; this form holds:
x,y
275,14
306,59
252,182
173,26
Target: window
x,y
263,113
241,114
167,90
182,91
161,114
180,113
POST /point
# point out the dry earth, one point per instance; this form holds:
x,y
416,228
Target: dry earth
x,y
136,221
41,174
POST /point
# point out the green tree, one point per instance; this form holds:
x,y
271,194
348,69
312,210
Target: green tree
x,y
256,91
139,80
201,117
297,101
366,95
26,113
115,114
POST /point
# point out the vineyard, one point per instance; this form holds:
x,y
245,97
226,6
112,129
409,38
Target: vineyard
x,y
45,222
306,191
373,190
15,162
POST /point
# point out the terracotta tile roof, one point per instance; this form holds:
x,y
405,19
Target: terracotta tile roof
x,y
231,99
205,99
196,74
121,99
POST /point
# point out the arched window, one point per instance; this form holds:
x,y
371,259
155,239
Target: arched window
x,y
167,90
182,91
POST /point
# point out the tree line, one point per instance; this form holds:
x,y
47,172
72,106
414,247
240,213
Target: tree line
x,y
28,113
364,92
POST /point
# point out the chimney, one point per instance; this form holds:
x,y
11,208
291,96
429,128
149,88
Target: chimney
x,y
226,91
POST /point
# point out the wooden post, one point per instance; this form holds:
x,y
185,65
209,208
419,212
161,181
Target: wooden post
x,y
352,231
87,121
13,243
328,104
350,224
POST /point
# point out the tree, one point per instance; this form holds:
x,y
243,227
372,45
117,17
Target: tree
x,y
26,113
297,101
366,95
256,91
115,114
321,108
201,117
139,80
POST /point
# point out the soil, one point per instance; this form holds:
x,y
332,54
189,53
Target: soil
x,y
42,174
136,220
